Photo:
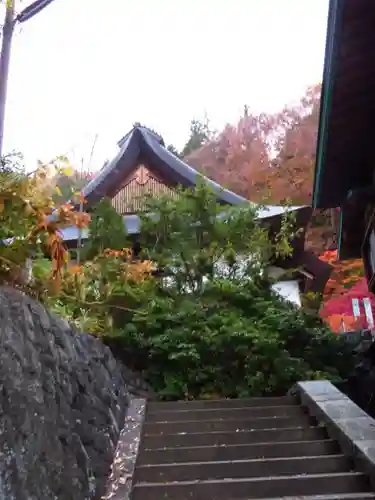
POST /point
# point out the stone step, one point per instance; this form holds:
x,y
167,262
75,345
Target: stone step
x,y
199,471
293,486
226,425
237,452
155,406
340,496
225,438
222,413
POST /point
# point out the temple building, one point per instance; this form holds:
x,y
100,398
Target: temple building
x,y
345,163
144,166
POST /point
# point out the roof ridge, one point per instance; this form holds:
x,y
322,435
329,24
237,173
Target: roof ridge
x,y
144,130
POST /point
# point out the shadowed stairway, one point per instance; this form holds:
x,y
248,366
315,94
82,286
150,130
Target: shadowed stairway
x,y
241,449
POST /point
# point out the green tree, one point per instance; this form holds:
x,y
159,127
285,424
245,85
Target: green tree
x,y
67,186
200,133
194,239
174,150
211,325
107,230
207,323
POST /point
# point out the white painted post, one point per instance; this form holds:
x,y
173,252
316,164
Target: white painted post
x,y
368,312
356,309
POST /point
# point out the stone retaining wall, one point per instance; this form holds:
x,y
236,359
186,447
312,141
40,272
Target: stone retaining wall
x,y
63,400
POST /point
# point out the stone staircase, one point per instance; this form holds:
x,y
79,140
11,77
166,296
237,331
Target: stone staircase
x,y
241,449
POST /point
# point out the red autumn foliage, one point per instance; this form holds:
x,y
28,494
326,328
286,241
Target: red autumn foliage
x,y
268,154
271,157
338,311
346,283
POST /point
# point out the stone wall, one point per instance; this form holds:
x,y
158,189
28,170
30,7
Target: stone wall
x,y
63,401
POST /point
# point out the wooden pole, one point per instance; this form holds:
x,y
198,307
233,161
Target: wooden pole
x,y
7,35
6,46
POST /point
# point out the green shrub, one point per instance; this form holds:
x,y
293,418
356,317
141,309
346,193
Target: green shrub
x,y
210,326
236,341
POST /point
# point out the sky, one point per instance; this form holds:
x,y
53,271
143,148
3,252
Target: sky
x,y
83,71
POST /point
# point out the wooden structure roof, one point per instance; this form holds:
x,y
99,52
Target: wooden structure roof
x,y
344,160
142,146
345,138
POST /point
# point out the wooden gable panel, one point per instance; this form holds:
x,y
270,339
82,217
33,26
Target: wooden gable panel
x,y
131,196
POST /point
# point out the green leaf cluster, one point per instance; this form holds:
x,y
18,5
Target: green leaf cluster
x,y
237,340
107,230
208,324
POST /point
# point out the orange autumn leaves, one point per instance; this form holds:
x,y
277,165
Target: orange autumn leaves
x,y
344,275
135,271
269,156
126,268
37,229
37,225
341,323
50,225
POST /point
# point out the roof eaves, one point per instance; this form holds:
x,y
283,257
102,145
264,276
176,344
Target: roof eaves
x,y
109,168
187,175
132,222
336,8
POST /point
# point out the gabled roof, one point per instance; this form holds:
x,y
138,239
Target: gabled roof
x,y
141,144
144,145
345,159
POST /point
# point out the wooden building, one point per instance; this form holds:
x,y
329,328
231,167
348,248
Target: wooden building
x,y
143,165
345,167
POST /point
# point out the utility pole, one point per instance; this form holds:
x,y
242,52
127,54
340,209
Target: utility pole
x,y
6,46
10,22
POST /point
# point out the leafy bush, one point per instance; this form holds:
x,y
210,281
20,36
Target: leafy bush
x,y
211,326
237,340
104,292
107,231
207,324
26,225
